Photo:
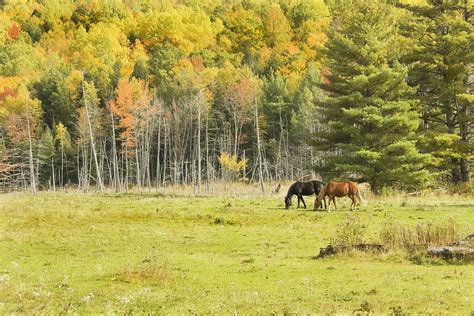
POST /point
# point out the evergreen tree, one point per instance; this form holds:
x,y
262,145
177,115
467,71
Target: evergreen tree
x,y
372,119
443,38
56,98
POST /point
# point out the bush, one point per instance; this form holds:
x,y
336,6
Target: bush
x,y
463,188
350,232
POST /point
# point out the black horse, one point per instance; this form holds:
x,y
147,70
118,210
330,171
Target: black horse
x,y
303,188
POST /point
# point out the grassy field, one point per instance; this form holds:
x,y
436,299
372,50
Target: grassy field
x,y
149,253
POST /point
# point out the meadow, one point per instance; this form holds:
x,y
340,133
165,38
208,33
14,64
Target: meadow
x,y
245,254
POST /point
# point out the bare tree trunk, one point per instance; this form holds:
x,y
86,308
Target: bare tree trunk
x,y
137,169
78,167
126,168
30,152
165,152
259,152
199,150
116,180
158,174
207,152
236,132
61,176
53,176
94,152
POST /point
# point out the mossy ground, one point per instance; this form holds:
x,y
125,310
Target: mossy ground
x,y
71,252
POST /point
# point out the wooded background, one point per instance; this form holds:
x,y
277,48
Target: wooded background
x,y
120,94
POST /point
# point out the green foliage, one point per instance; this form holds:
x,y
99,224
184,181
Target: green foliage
x,y
56,98
371,115
17,58
140,70
46,152
442,36
350,232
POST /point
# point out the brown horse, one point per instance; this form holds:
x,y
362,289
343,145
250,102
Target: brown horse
x,y
339,189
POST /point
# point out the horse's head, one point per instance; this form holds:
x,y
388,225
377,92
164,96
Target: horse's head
x,y
317,203
287,202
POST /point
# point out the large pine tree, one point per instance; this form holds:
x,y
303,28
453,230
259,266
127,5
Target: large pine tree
x,y
442,61
371,116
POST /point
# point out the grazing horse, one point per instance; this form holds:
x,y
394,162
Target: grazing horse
x,y
303,188
339,189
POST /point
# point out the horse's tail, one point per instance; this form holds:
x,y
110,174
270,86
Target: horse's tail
x,y
359,196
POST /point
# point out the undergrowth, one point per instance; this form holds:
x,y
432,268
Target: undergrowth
x,y
412,241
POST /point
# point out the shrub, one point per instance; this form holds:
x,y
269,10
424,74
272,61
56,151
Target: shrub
x,y
463,188
350,232
231,165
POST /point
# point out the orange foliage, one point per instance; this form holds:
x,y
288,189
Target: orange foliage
x,y
240,94
293,49
265,55
14,31
317,39
7,92
130,105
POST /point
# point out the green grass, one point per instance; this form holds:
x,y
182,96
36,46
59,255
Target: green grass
x,y
67,252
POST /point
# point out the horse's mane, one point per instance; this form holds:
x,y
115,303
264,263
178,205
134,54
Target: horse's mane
x,y
291,189
322,193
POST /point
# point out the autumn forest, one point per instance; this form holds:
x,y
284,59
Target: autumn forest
x,y
145,94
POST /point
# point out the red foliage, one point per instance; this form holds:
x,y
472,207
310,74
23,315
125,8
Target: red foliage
x,y
14,31
16,128
7,92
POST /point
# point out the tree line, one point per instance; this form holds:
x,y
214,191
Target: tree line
x,y
138,93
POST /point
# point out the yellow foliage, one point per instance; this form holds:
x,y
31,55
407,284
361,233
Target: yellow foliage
x,y
230,163
61,132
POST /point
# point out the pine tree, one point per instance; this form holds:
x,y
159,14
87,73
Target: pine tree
x,y
371,117
443,38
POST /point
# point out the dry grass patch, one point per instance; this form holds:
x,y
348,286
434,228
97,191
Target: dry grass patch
x,y
157,275
351,236
397,236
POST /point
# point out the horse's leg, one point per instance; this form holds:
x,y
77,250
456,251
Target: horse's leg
x,y
353,204
334,201
302,200
329,204
298,200
325,205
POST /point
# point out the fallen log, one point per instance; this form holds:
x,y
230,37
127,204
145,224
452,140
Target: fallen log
x,y
449,252
458,249
332,250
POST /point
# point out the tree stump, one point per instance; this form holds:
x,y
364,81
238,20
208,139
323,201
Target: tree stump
x,y
332,250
